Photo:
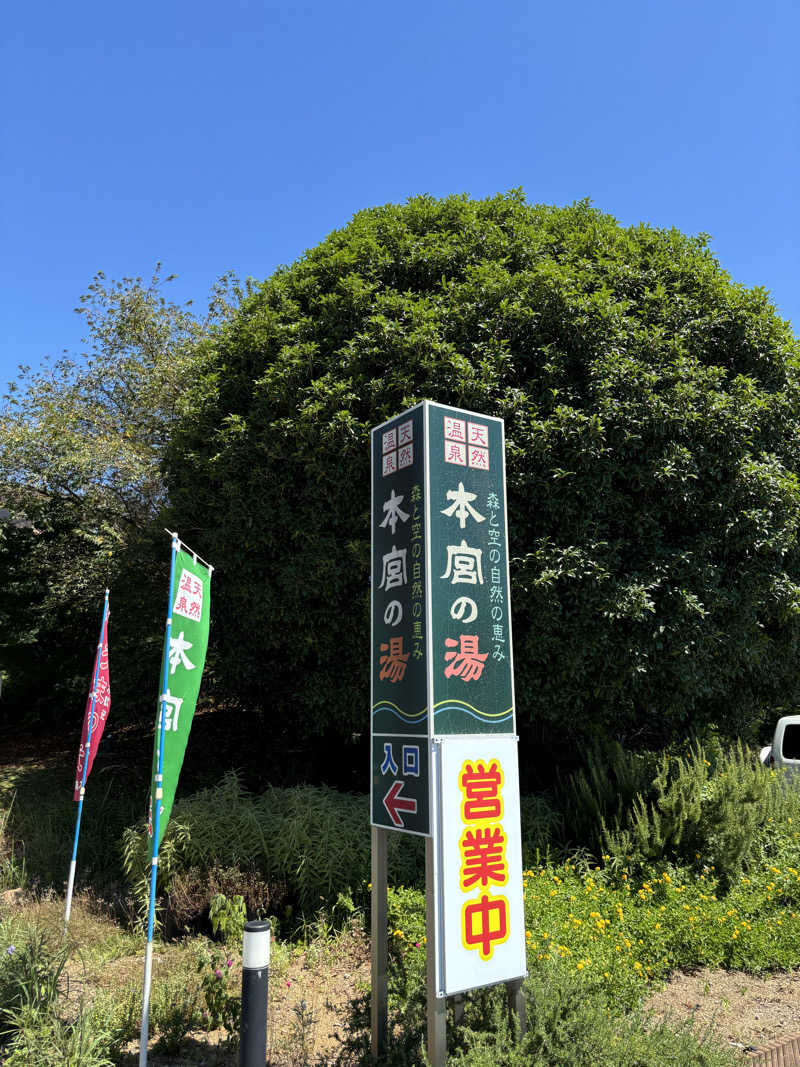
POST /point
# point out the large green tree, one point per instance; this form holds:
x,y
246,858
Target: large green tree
x,y
81,490
651,410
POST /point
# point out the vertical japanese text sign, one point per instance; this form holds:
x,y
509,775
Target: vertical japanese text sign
x,y
400,704
472,682
480,925
442,678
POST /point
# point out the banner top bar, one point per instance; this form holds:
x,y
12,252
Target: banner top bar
x,y
182,544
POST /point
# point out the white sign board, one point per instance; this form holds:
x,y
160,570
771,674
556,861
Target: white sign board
x,y
481,919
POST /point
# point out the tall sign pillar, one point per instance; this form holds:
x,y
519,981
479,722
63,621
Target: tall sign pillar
x,y
443,738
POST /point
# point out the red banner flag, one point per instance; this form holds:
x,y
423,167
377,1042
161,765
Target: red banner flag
x,y
98,715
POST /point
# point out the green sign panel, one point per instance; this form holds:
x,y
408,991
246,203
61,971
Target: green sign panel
x,y
471,623
441,632
400,708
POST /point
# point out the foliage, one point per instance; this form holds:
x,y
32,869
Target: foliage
x,y
13,873
118,1015
31,976
41,817
81,486
600,793
573,1023
43,1039
627,931
228,918
652,445
174,1011
695,808
541,824
223,1000
311,843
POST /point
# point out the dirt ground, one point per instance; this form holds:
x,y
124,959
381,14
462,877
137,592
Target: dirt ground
x,y
743,1011
308,1006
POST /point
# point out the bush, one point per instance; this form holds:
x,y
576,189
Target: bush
x,y
31,976
310,844
698,809
174,1011
42,1039
601,793
572,1023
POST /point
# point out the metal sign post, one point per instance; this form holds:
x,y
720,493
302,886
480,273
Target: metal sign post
x,y
443,741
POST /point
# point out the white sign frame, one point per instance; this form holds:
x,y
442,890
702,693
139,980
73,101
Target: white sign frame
x,y
459,968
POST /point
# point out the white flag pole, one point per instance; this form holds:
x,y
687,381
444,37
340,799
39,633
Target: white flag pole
x,y
73,862
156,803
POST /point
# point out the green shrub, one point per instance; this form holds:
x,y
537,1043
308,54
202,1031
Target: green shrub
x,y
653,451
310,844
42,1039
228,918
31,975
174,1011
541,825
222,997
572,1023
42,819
697,809
600,793
13,874
118,1015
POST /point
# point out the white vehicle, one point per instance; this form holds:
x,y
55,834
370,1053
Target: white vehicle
x,y
785,748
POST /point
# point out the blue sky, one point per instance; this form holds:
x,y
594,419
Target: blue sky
x,y
215,137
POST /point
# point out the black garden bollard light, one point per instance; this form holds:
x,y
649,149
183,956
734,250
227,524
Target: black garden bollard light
x,y
255,992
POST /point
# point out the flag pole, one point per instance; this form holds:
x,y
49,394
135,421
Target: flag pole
x,y
156,804
71,880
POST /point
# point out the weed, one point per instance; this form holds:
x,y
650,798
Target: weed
x,y
228,918
222,998
42,1039
30,976
302,1034
174,1012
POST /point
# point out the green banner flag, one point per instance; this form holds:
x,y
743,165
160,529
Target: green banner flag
x,y
182,666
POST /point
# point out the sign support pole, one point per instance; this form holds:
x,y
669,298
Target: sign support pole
x,y
437,1005
379,1006
516,1004
148,959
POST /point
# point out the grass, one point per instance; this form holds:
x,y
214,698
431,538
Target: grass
x,y
599,935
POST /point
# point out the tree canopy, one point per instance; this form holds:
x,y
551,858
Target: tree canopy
x,y
81,447
651,411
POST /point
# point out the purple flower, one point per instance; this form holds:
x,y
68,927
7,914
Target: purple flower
x,y
11,949
229,963
218,973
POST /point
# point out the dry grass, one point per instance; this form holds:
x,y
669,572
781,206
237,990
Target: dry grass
x,y
311,983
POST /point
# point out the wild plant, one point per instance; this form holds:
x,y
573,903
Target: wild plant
x,y
40,1038
303,1026
223,1005
13,873
311,841
118,1015
228,918
31,976
174,1011
698,810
